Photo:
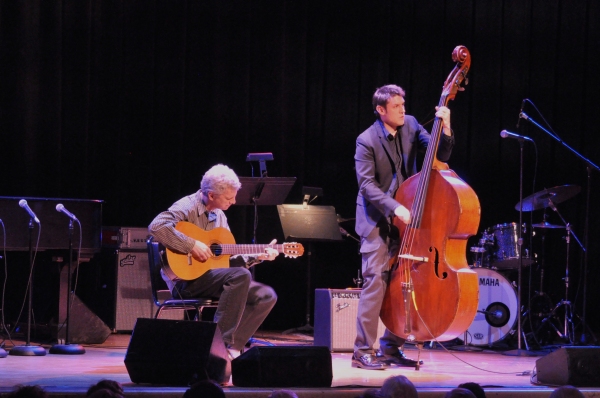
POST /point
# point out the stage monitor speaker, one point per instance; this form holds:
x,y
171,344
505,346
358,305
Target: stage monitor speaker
x,y
176,353
576,366
133,293
335,319
284,366
85,327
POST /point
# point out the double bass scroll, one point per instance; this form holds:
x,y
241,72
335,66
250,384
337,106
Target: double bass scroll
x,y
433,294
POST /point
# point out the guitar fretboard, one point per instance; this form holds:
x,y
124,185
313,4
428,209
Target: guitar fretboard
x,y
219,249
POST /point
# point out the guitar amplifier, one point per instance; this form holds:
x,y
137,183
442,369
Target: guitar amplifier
x,y
335,319
134,293
132,238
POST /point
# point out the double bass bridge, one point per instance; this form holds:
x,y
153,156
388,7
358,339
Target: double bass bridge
x,y
414,258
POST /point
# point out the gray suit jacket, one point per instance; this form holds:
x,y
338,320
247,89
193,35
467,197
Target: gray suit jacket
x,y
375,174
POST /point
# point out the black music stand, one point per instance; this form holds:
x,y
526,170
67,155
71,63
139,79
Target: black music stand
x,y
310,224
262,191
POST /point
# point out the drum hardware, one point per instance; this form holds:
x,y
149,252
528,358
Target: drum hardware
x,y
539,307
567,325
478,255
465,346
496,314
358,281
539,200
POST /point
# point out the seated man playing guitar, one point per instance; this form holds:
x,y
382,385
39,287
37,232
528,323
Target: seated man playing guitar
x,y
243,303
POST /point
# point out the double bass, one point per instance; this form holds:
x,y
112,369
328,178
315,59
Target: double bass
x,y
432,292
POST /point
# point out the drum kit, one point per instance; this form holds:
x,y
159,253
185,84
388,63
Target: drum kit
x,y
497,252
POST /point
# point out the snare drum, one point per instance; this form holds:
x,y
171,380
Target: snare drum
x,y
505,251
497,310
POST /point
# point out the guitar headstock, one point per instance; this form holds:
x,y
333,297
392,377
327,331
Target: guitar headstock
x,y
292,249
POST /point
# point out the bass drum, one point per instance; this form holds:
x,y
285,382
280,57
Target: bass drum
x,y
497,310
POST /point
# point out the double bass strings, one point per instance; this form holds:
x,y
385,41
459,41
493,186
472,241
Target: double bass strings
x,y
417,209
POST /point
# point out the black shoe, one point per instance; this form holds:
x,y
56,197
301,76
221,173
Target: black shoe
x,y
398,359
368,361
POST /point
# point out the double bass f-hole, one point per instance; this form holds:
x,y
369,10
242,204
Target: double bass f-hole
x,y
436,263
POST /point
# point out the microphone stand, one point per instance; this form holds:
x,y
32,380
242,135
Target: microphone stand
x,y
519,352
28,349
68,348
590,166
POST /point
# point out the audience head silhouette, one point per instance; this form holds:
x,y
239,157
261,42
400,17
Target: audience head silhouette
x,y
474,388
459,393
105,389
566,392
398,387
22,391
204,389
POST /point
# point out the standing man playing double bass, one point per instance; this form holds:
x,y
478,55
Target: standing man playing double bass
x,y
386,155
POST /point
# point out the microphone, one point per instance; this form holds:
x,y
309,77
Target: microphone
x,y
23,204
521,111
61,208
508,134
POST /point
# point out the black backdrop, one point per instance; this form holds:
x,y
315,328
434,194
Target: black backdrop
x,y
131,101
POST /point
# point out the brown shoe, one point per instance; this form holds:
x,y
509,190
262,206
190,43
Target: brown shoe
x,y
368,361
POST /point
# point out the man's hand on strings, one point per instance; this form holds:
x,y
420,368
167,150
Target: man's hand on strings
x,y
444,113
201,252
403,214
270,253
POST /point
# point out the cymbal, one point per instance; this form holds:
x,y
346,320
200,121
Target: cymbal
x,y
546,224
542,199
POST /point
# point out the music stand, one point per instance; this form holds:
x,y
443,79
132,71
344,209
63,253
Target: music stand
x,y
310,224
262,191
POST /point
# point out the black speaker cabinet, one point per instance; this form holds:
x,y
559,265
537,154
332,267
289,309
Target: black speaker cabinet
x,y
176,353
335,319
284,366
576,366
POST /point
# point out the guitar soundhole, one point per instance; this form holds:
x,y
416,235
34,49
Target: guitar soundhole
x,y
216,249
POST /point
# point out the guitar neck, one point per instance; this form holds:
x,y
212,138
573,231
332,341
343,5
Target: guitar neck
x,y
231,249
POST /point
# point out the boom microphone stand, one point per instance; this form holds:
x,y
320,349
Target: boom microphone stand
x,y
590,166
519,351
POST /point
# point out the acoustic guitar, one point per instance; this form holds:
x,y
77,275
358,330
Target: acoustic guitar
x,y
222,244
